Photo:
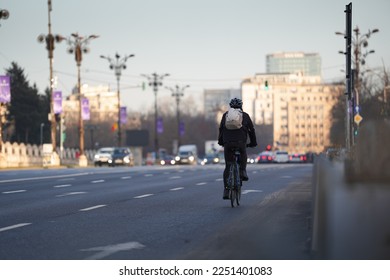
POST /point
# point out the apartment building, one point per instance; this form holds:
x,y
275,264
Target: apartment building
x,y
297,106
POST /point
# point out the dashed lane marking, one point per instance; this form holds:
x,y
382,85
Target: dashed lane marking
x,y
175,177
126,177
17,191
93,207
148,175
250,191
144,195
14,226
201,183
177,189
62,186
70,193
219,179
97,181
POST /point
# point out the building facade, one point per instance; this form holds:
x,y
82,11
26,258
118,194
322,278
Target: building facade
x,y
298,107
308,64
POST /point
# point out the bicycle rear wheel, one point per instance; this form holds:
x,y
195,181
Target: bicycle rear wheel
x,y
238,195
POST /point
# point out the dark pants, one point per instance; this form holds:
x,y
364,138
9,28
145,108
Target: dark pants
x,y
229,149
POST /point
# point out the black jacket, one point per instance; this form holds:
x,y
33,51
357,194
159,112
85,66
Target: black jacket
x,y
237,135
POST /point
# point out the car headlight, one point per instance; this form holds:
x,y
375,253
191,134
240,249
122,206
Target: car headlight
x,y
191,158
126,159
162,162
177,158
173,162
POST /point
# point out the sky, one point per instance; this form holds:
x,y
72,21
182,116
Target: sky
x,y
206,44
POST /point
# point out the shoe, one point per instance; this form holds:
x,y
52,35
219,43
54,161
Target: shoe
x,y
225,194
244,176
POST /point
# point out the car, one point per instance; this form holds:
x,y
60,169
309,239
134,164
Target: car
x,y
297,158
281,156
102,156
121,156
167,160
210,159
265,157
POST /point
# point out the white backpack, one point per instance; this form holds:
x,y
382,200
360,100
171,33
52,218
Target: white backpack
x,y
233,119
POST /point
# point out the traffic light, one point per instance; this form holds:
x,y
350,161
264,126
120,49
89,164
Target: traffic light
x,y
266,85
63,128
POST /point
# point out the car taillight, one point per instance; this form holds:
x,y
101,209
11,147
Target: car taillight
x,y
269,158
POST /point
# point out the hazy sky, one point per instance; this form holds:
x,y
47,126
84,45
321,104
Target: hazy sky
x,y
203,43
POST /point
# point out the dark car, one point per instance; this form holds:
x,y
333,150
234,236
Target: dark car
x,y
265,157
121,156
167,160
210,159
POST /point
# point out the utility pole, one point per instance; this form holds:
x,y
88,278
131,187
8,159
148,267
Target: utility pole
x,y
77,45
178,92
155,81
118,65
50,40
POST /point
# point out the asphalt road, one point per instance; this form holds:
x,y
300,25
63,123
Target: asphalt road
x,y
143,213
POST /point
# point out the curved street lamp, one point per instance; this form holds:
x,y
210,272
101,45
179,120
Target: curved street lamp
x,y
78,46
117,65
178,92
50,41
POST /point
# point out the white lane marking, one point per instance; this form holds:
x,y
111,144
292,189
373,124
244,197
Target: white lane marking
x,y
112,249
144,195
97,181
176,189
148,175
62,186
249,191
175,177
93,207
45,177
219,179
17,191
201,183
286,177
14,226
125,177
70,193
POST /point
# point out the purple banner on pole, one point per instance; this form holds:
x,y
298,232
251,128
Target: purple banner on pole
x,y
160,126
57,102
85,109
123,115
181,128
5,89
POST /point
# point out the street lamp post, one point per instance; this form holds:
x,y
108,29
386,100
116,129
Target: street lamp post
x,y
118,65
50,40
178,92
155,81
358,42
77,45
4,14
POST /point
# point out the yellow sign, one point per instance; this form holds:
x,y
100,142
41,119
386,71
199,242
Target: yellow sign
x,y
358,118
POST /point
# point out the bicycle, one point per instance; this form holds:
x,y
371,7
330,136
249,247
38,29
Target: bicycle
x,y
234,181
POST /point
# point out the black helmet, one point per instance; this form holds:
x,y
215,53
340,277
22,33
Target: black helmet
x,y
235,103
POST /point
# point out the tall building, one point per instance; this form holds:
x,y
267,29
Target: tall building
x,y
298,107
308,64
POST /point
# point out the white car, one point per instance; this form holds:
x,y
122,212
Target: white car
x,y
102,156
281,157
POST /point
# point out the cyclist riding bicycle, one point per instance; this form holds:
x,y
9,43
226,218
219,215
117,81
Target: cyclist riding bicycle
x,y
236,139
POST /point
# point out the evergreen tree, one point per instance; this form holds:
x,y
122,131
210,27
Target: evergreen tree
x,y
27,110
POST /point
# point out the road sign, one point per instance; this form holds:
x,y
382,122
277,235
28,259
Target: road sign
x,y
358,118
